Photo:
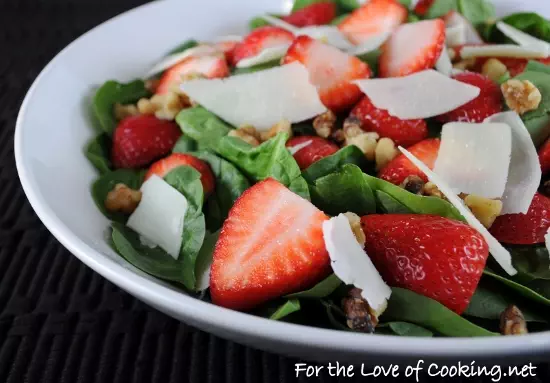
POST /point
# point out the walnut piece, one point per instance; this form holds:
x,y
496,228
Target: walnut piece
x,y
521,96
512,321
281,126
431,190
413,184
324,124
354,135
123,111
355,224
122,199
248,134
465,64
164,106
486,210
385,152
494,69
360,317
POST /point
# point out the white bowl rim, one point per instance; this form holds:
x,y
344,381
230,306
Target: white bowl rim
x,y
264,329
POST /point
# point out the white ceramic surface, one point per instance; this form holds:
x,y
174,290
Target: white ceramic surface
x,y
54,124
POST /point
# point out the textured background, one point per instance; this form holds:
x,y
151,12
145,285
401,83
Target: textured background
x,y
60,321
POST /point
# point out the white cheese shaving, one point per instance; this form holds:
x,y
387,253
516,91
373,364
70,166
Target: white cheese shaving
x,y
265,56
525,174
352,265
455,19
169,61
475,158
421,95
455,35
501,255
295,149
369,45
160,215
505,50
520,37
327,34
260,99
444,64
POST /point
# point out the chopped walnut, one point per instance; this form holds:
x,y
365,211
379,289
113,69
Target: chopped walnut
x,y
281,126
248,134
521,96
122,199
355,224
354,135
512,321
359,315
431,190
123,111
413,184
486,210
465,64
324,124
164,106
494,69
385,152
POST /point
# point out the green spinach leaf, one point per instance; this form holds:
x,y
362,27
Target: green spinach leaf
x,y
113,92
98,152
299,4
321,290
528,22
372,59
440,8
542,82
347,155
107,182
519,288
204,258
258,22
403,329
338,20
202,126
184,46
187,180
348,5
407,306
291,306
535,66
185,144
477,11
531,262
538,128
390,205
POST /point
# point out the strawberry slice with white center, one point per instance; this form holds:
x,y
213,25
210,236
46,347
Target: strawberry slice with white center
x,y
374,18
270,245
209,66
413,48
260,39
330,70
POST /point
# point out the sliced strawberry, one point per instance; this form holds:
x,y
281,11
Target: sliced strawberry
x,y
207,66
373,18
423,6
314,14
524,229
260,39
317,148
330,70
437,257
400,167
139,140
488,102
228,48
412,48
164,166
402,132
270,245
544,157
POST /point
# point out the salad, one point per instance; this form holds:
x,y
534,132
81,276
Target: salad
x,y
373,166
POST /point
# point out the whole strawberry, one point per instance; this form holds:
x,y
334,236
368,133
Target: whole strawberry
x,y
310,149
402,132
139,140
434,256
488,102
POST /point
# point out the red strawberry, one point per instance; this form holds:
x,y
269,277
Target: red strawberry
x,y
488,102
317,149
412,48
373,18
402,132
315,14
330,70
260,39
544,157
207,66
524,229
400,167
164,166
423,6
228,48
433,256
270,245
138,140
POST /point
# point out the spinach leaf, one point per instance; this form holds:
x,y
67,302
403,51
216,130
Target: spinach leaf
x,y
320,290
113,92
291,306
477,11
505,77
335,315
270,159
185,144
542,82
535,66
519,288
204,258
347,155
258,22
538,128
107,181
403,329
412,18
528,22
299,4
406,3
540,286
187,180
338,20
342,191
257,68
98,152
440,8
349,5
202,126
372,59
531,262
230,184
390,205
184,46
407,306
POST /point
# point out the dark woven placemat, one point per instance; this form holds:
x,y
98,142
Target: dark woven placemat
x,y
60,321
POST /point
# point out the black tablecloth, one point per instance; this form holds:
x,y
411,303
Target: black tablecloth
x,y
59,320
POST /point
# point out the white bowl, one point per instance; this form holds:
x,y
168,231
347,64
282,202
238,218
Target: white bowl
x,y
54,124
